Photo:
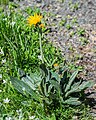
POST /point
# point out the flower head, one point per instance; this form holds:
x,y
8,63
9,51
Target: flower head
x,y
4,81
8,118
13,23
33,20
41,25
31,117
6,100
56,65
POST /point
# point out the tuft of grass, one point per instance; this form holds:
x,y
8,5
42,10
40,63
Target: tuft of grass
x,y
5,2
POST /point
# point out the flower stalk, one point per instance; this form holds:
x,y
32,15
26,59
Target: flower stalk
x,y
36,21
40,42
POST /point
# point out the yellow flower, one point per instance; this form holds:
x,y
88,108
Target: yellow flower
x,y
41,25
55,65
33,20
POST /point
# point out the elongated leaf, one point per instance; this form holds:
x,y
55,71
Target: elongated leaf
x,y
64,81
44,69
85,85
72,101
74,88
33,80
64,76
22,87
27,80
36,77
50,88
63,69
76,84
47,100
48,77
78,88
73,76
45,90
56,76
55,84
42,87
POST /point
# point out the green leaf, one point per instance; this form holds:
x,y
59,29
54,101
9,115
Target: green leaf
x,y
55,84
47,100
45,90
44,69
56,76
50,88
36,77
73,76
42,87
48,77
74,88
24,88
33,80
78,88
28,81
53,117
72,101
64,76
85,85
64,81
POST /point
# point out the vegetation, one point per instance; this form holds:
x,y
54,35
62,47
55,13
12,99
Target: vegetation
x,y
34,83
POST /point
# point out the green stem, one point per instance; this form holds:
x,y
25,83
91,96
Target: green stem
x,y
40,41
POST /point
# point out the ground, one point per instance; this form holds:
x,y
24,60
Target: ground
x,y
72,27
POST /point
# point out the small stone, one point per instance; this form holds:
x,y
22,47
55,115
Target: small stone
x,y
94,87
75,117
59,16
38,1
